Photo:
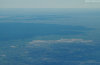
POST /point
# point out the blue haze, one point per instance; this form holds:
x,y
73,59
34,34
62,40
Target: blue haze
x,y
19,27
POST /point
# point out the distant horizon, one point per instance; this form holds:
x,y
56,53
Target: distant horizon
x,y
54,8
49,4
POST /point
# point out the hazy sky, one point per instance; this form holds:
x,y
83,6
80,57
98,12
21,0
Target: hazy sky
x,y
49,4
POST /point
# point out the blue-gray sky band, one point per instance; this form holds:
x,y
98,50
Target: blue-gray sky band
x,y
49,4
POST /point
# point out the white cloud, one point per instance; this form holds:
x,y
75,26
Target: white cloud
x,y
92,0
13,46
61,41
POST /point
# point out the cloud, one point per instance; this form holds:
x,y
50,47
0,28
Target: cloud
x,y
61,41
4,16
13,46
92,1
